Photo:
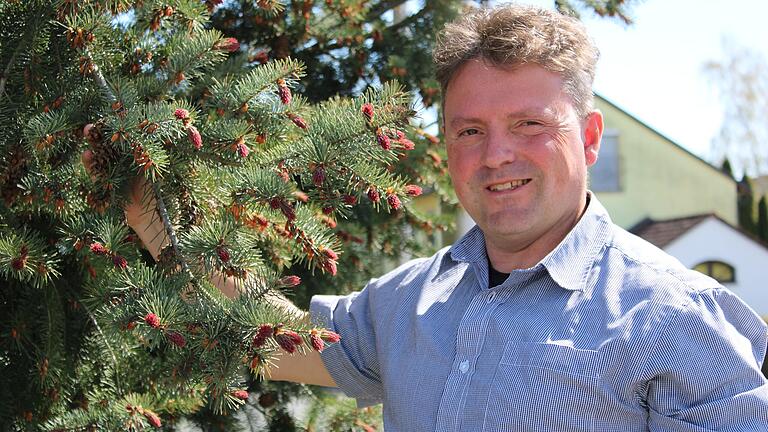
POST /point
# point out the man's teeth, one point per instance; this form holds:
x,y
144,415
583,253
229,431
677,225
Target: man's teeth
x,y
510,185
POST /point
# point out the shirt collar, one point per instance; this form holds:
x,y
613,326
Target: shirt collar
x,y
470,247
570,263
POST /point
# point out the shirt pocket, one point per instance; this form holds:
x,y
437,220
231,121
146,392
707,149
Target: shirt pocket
x,y
544,387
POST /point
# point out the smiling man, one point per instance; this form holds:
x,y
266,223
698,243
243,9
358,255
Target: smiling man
x,y
545,316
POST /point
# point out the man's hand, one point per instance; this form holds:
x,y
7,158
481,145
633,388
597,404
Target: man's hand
x,y
140,213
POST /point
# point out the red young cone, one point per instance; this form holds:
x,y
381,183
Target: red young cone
x,y
298,121
329,336
394,202
119,261
318,177
331,254
242,150
284,92
289,281
368,112
176,339
18,263
317,343
407,144
240,394
413,190
194,137
373,194
288,340
181,114
229,44
152,320
330,267
223,253
152,418
265,332
383,140
98,249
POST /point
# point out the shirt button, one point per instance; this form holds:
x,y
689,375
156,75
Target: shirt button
x,y
491,296
464,366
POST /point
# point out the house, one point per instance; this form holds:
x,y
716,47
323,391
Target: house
x,y
642,174
711,245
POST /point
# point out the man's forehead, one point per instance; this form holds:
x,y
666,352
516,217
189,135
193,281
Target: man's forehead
x,y
539,110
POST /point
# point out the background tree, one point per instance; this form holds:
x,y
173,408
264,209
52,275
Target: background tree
x,y
726,168
762,219
740,79
745,205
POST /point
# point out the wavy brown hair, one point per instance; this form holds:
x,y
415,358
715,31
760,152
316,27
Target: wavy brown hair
x,y
511,35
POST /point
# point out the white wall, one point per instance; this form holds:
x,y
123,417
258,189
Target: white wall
x,y
713,240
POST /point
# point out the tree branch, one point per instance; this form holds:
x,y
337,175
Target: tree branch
x,y
383,7
160,203
327,48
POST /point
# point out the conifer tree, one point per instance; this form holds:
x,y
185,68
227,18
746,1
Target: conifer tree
x,y
246,177
745,205
762,219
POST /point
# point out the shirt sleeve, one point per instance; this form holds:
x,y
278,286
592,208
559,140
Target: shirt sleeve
x,y
352,362
704,372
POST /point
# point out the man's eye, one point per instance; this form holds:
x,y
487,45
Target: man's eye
x,y
467,132
531,123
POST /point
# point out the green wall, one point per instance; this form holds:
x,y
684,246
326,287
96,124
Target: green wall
x,y
659,179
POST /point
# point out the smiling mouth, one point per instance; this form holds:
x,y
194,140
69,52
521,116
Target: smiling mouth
x,y
509,185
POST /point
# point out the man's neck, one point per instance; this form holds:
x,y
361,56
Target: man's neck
x,y
507,255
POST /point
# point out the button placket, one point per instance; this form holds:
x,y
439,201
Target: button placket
x,y
491,297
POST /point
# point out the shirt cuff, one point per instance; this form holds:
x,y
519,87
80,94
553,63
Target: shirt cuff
x,y
349,379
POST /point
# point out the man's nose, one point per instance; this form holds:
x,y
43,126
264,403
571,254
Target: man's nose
x,y
500,148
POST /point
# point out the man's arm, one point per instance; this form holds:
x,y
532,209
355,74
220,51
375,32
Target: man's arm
x,y
307,369
704,371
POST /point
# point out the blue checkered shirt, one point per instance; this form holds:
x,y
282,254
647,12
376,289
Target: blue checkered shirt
x,y
606,333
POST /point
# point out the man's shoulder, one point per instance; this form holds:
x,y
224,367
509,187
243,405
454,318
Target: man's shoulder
x,y
642,265
413,269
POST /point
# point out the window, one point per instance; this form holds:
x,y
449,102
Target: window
x,y
717,270
605,175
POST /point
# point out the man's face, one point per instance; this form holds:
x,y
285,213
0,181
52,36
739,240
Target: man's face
x,y
517,152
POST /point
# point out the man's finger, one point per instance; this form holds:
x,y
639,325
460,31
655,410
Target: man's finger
x,y
87,158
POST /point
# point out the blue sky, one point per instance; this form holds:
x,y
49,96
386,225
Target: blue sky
x,y
653,68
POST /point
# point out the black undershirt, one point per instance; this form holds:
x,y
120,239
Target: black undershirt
x,y
495,277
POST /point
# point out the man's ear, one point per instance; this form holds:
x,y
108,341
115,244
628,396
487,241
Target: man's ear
x,y
593,133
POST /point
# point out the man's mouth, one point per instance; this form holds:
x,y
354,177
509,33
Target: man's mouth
x,y
509,185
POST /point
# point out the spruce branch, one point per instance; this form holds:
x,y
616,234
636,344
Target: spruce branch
x,y
383,7
7,71
171,232
21,47
160,203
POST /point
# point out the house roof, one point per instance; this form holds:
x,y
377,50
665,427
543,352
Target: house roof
x,y
662,233
662,136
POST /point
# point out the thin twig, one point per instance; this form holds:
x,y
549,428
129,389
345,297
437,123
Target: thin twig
x,y
169,231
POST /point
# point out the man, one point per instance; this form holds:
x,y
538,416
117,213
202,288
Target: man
x,y
545,316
